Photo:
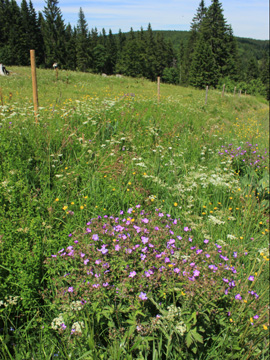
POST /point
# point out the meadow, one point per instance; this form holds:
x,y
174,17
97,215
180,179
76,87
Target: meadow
x,y
132,228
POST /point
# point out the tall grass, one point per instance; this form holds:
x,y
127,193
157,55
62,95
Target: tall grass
x,y
102,146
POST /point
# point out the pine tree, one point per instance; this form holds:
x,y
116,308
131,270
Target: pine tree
x,y
54,34
111,48
203,69
82,43
193,36
216,32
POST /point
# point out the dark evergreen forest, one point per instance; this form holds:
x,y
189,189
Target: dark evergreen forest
x,y
209,54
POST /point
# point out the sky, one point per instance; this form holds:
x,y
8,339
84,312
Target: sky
x,y
248,18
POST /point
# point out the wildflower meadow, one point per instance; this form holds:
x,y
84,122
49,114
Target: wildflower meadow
x,y
132,226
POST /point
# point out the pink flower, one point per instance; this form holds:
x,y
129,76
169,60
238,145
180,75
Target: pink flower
x,y
143,296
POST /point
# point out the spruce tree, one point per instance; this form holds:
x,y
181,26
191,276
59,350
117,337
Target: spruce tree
x,y
203,69
193,36
54,34
82,43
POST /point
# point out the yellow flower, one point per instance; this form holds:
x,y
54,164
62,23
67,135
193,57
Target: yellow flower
x,y
203,213
175,204
86,197
113,189
182,293
231,320
81,207
170,265
127,189
72,203
265,327
56,199
65,208
129,183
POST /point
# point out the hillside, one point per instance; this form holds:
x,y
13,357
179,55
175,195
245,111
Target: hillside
x,y
132,227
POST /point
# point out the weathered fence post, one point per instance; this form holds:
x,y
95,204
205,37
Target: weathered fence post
x,y
34,83
234,91
206,94
240,92
223,90
1,97
158,88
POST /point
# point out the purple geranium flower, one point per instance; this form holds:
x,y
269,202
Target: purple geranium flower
x,y
143,296
238,297
132,274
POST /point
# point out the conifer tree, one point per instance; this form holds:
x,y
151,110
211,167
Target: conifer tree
x,y
82,43
111,48
203,69
54,34
194,31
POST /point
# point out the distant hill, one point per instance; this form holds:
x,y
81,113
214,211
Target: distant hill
x,y
248,48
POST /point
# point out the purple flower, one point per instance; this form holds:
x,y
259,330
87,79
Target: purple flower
x,y
132,274
82,255
206,241
144,239
256,317
207,255
117,247
70,289
196,273
70,235
186,228
95,286
105,284
160,214
86,261
238,297
156,228
145,221
235,254
95,237
251,278
177,270
143,296
63,326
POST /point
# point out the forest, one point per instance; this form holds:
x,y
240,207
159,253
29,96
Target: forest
x,y
208,54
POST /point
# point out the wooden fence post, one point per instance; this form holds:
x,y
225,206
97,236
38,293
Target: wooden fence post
x,y
234,91
34,83
223,90
158,88
206,94
1,97
240,92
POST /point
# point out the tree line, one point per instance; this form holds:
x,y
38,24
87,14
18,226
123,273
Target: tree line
x,y
209,56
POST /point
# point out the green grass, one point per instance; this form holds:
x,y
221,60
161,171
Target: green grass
x,y
102,145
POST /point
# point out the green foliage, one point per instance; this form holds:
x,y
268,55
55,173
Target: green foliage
x,y
102,145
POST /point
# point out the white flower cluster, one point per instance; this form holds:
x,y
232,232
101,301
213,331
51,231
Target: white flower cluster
x,y
77,327
173,316
11,300
57,322
215,221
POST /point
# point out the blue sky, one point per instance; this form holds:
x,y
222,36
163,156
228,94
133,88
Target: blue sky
x,y
249,18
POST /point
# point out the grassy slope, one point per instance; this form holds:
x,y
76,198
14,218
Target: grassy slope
x,y
81,161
